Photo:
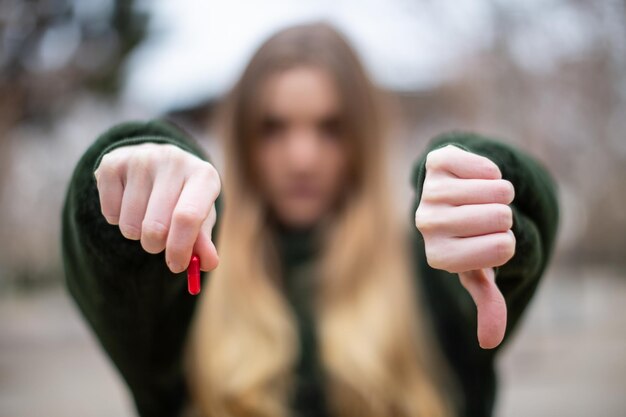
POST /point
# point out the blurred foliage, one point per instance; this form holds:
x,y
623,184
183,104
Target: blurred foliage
x,y
51,50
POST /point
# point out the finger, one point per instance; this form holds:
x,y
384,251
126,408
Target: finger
x,y
468,220
157,221
110,191
471,253
192,209
134,202
490,306
204,246
458,192
462,164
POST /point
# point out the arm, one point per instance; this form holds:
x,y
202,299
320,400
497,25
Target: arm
x,y
136,306
534,212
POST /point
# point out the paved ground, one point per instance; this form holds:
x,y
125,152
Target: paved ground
x,y
569,358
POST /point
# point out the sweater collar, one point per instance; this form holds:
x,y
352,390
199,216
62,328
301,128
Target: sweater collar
x,y
297,244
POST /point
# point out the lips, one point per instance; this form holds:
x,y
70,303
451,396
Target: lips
x,y
304,191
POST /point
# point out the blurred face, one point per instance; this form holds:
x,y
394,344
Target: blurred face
x,y
301,159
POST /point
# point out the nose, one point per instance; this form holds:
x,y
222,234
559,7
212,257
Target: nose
x,y
303,150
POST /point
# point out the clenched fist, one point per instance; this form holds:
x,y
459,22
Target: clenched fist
x,y
465,219
164,197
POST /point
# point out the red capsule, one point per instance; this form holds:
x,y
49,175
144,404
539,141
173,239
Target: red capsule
x,y
193,275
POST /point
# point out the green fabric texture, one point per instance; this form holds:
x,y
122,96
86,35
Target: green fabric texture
x,y
140,311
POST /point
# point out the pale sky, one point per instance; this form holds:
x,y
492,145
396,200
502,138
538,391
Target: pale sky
x,y
196,49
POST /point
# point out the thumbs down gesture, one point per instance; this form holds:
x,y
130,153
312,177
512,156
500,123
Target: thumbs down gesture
x,y
465,219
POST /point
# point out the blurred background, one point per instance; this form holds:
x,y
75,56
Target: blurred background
x,y
548,76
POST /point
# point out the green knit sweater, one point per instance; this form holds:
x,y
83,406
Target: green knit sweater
x,y
140,311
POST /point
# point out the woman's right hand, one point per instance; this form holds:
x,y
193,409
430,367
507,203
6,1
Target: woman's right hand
x,y
164,197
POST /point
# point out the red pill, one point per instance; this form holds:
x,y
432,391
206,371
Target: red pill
x,y
193,275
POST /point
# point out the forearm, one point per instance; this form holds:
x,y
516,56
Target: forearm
x,y
137,308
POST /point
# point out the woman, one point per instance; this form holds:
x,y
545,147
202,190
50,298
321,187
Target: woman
x,y
318,301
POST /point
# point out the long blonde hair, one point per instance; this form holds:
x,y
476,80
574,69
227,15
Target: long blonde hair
x,y
244,340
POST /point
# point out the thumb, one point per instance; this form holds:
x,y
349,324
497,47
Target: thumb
x,y
490,304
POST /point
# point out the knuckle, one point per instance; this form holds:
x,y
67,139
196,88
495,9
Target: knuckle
x,y
211,175
504,217
434,159
490,169
428,188
504,191
141,162
187,215
486,166
153,230
212,218
424,221
210,170
505,248
419,219
106,169
449,149
174,155
510,196
433,190
108,159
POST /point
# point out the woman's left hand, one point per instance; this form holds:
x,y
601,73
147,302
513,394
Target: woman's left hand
x,y
465,219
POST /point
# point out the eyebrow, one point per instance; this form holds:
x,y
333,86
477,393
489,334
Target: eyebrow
x,y
272,120
330,118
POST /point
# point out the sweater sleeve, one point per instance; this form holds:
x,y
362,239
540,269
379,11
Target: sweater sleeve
x,y
138,309
535,218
